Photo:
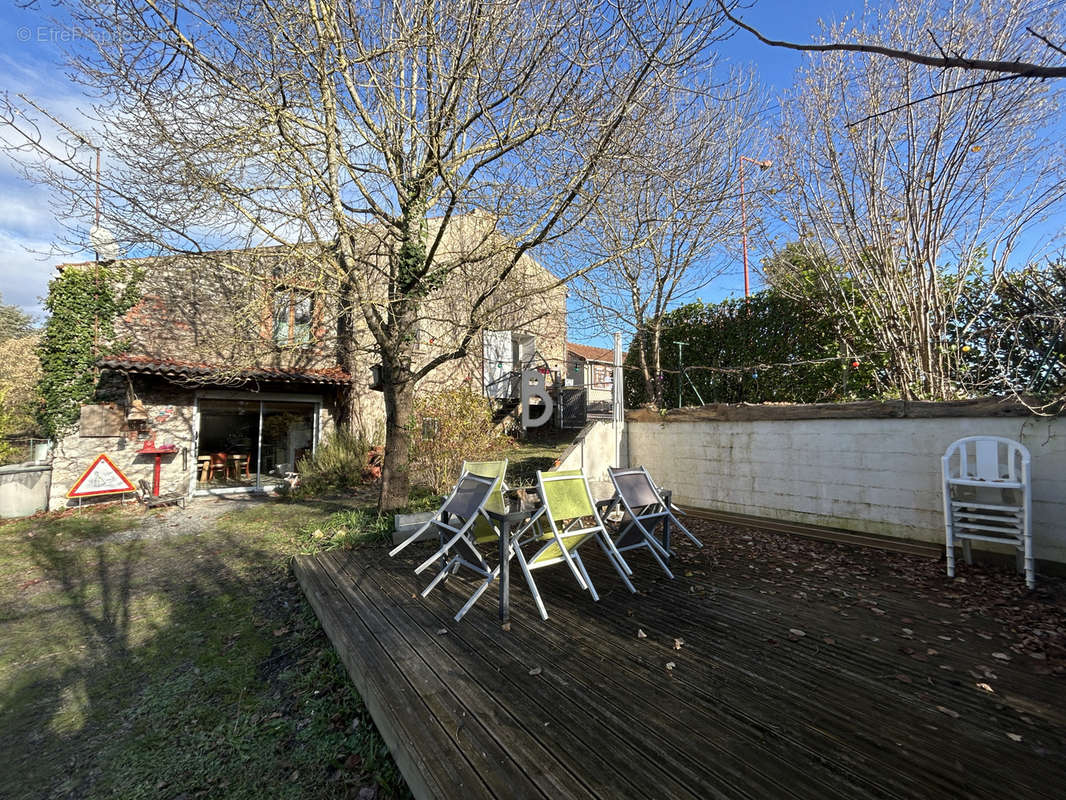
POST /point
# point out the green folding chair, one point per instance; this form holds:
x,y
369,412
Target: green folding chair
x,y
572,520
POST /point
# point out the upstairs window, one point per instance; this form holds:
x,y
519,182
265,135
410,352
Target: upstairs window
x,y
293,315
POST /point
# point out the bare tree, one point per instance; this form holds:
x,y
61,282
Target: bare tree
x,y
917,198
950,54
659,230
372,130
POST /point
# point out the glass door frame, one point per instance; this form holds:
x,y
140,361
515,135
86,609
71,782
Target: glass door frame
x,y
249,397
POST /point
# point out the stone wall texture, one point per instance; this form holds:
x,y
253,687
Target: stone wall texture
x,y
171,413
171,410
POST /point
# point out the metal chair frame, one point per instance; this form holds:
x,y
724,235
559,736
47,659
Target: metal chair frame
x,y
566,536
985,464
645,508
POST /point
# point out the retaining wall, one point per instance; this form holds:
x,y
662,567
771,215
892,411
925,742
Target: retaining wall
x,y
874,475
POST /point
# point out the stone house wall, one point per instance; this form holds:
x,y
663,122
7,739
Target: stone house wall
x,y
171,414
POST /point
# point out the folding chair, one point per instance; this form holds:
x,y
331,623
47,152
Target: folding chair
x,y
484,531
987,485
645,508
567,503
465,504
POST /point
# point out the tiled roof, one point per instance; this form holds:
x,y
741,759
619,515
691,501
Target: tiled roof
x,y
145,365
590,353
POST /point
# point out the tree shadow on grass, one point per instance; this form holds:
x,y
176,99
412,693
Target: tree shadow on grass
x,y
173,668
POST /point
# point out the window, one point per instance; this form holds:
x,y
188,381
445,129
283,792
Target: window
x,y
293,317
602,376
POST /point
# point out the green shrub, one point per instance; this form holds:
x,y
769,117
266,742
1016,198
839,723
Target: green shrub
x,y
450,427
335,466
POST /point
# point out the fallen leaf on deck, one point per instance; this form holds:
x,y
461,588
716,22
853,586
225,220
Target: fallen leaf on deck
x,y
948,711
1014,737
670,665
1001,656
535,671
442,631
986,687
678,643
641,634
796,632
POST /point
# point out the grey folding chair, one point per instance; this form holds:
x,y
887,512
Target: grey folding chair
x,y
454,523
567,504
644,509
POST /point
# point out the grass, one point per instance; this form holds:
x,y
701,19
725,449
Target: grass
x,y
539,452
188,666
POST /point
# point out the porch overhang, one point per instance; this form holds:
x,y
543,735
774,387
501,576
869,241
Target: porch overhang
x,y
210,374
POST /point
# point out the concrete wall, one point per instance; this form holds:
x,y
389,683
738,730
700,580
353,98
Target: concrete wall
x,y
593,451
24,489
877,476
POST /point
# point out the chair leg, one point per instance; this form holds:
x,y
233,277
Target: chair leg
x,y
414,536
440,576
585,574
1030,566
949,548
531,583
617,568
675,521
437,556
662,564
474,597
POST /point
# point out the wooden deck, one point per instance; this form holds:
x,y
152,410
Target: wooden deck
x,y
786,680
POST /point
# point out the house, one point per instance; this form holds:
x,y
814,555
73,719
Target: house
x,y
243,362
592,368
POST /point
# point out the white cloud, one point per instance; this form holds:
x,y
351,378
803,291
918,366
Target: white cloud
x,y
26,266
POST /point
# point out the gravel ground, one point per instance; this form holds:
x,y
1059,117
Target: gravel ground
x,y
199,514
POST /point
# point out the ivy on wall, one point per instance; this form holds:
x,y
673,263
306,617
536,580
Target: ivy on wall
x,y
83,304
724,340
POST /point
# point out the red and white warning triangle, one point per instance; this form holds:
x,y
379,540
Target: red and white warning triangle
x,y
102,477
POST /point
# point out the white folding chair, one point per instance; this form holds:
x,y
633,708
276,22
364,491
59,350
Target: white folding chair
x,y
987,498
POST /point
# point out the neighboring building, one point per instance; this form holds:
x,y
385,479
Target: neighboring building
x,y
592,368
236,358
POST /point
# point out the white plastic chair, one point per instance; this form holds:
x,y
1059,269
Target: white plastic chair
x,y
988,498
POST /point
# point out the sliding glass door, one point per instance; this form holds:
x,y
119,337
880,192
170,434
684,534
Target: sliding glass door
x,y
247,444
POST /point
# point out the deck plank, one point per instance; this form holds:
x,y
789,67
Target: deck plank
x,y
748,710
495,739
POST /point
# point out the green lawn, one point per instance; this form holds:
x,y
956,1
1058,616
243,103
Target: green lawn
x,y
183,667
189,665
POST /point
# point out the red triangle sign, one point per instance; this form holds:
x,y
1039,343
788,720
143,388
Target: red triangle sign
x,y
102,477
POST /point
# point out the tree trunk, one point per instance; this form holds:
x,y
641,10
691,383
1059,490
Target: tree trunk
x,y
399,391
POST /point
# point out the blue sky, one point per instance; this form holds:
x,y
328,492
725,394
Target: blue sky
x,y
29,54
29,63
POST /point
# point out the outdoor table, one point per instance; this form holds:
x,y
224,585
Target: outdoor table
x,y
520,509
